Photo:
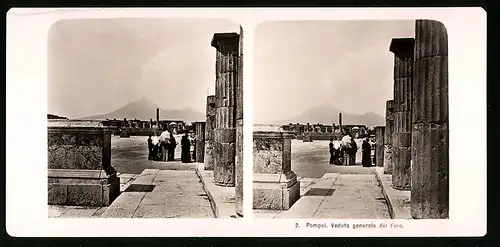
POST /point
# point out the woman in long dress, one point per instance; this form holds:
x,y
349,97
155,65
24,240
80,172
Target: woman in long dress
x,y
367,151
185,149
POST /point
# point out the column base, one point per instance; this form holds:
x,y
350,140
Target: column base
x,y
275,191
82,187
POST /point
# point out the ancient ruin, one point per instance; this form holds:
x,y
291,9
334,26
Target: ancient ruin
x,y
275,185
389,128
239,130
209,155
79,164
417,120
379,145
430,135
401,136
200,142
226,70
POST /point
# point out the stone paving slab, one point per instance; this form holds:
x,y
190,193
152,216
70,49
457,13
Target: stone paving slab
x,y
221,198
176,193
399,201
63,211
337,196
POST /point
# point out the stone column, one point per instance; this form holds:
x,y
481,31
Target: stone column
x,y
430,136
239,130
340,122
275,185
200,142
225,107
401,136
209,133
389,122
379,145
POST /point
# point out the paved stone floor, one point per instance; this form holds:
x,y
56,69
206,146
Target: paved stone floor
x,y
336,196
311,159
171,194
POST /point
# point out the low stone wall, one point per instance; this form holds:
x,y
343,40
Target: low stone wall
x,y
79,164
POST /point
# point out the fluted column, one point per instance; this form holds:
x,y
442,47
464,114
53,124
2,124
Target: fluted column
x,y
430,136
389,128
200,142
379,145
209,155
225,107
401,136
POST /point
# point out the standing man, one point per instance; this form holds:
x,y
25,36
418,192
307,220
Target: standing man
x,y
164,140
150,148
332,151
171,147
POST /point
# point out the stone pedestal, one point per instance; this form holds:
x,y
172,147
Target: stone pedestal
x,y
227,45
430,136
209,155
401,137
79,164
275,185
389,128
200,142
379,145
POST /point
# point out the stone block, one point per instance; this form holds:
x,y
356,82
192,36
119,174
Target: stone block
x,y
225,135
110,192
430,90
387,159
275,194
431,39
430,171
401,139
224,170
402,122
401,169
209,155
58,194
272,153
85,194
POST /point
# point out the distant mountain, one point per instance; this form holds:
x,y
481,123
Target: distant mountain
x,y
328,114
145,109
51,116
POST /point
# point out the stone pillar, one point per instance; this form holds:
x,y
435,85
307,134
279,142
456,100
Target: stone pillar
x,y
209,133
340,122
158,117
401,136
239,131
379,145
225,107
200,142
430,136
79,164
275,185
389,122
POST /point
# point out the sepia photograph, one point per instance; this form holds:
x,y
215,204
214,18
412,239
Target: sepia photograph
x,y
350,120
145,118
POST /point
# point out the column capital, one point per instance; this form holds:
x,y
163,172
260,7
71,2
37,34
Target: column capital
x,y
402,47
221,39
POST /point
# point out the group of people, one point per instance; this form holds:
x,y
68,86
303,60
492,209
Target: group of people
x,y
349,148
162,148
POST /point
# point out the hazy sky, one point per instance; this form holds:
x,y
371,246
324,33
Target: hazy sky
x,y
300,65
98,65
